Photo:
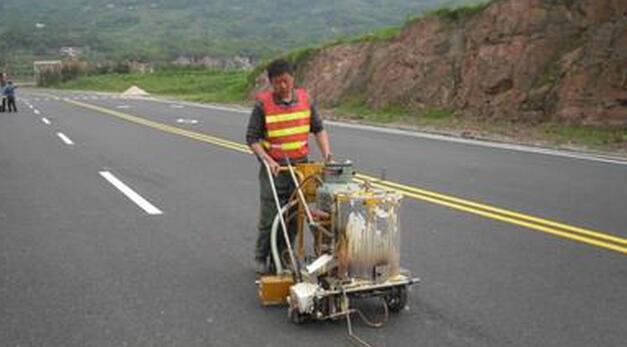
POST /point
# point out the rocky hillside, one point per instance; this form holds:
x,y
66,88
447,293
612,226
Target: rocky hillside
x,y
525,60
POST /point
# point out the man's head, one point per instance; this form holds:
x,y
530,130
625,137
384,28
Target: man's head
x,y
280,75
10,83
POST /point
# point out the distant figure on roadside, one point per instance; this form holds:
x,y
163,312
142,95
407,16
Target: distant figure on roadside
x,y
3,84
9,93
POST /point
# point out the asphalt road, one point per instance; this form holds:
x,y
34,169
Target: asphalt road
x,y
513,247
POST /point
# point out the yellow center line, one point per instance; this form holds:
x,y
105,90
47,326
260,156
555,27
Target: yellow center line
x,y
167,128
587,236
509,220
505,212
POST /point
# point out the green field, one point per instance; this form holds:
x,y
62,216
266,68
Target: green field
x,y
190,84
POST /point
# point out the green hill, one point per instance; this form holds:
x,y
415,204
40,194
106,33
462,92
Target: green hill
x,y
161,30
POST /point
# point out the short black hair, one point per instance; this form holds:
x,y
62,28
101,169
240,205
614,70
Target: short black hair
x,y
279,67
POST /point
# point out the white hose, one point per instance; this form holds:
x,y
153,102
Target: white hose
x,y
273,237
286,235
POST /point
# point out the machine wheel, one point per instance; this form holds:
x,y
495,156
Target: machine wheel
x,y
296,317
396,299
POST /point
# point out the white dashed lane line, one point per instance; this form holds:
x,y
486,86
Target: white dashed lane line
x,y
186,121
45,120
65,139
131,194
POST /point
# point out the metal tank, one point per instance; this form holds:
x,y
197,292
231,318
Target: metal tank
x,y
366,225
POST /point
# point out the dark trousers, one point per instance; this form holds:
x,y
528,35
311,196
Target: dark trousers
x,y
3,107
267,212
11,103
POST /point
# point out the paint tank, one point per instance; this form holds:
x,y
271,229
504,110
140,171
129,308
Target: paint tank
x,y
370,235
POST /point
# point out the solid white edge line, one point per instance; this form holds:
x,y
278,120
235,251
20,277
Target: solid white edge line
x,y
65,139
45,120
416,134
607,159
512,147
131,194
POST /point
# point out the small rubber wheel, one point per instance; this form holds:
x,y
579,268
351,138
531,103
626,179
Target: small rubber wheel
x,y
396,299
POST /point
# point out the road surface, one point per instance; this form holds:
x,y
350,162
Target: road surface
x,y
129,222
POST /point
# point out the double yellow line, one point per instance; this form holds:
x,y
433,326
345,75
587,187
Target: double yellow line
x,y
587,236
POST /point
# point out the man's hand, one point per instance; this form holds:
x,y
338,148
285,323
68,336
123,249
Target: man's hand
x,y
328,157
274,166
263,156
322,139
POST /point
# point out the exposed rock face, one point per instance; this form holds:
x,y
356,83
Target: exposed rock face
x,y
526,60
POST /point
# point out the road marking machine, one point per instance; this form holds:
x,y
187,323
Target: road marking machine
x,y
353,248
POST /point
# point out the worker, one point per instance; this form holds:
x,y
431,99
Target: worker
x,y
9,93
279,127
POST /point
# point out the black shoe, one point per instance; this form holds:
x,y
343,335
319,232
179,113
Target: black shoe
x,y
261,266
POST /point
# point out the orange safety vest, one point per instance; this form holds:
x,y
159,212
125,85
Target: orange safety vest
x,y
287,126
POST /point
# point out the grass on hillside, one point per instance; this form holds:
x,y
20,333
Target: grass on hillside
x,y
459,12
392,32
189,84
299,57
449,122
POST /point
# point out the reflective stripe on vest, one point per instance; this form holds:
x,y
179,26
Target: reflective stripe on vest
x,y
287,117
288,146
287,127
289,131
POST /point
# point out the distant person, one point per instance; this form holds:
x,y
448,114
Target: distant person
x,y
9,93
3,84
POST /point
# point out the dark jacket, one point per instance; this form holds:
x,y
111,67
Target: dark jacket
x,y
9,91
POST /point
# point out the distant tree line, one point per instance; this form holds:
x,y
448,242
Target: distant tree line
x,y
160,30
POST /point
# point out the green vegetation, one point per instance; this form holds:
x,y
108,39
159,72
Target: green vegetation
x,y
189,84
446,121
161,30
461,12
437,114
356,107
380,35
383,34
392,32
592,137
